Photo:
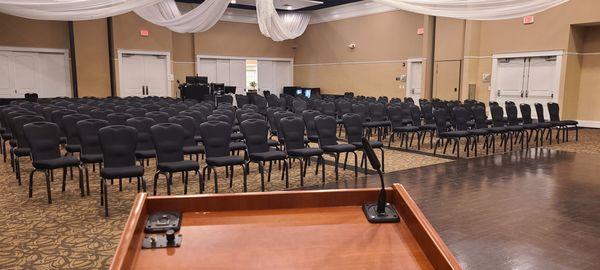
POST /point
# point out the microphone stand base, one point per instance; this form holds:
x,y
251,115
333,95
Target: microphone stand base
x,y
390,215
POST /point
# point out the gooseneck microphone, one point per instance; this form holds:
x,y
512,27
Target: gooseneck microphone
x,y
380,211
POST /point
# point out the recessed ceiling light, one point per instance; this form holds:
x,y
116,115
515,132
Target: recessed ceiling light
x,y
288,7
233,1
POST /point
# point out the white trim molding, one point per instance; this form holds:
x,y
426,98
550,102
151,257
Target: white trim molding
x,y
352,63
589,123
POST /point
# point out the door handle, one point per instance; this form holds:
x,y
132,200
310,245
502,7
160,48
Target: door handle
x,y
455,89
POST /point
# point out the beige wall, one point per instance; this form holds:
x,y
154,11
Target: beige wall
x,y
21,32
384,41
92,79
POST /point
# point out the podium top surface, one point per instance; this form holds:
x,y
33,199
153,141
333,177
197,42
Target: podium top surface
x,y
285,230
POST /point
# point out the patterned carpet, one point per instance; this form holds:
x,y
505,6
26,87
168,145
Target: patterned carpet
x,y
72,232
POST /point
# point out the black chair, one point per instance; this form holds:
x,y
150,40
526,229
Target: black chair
x,y
44,143
354,134
169,110
259,116
461,123
528,124
299,106
234,146
309,121
56,117
543,124
190,146
144,149
69,122
277,117
292,128
342,107
378,121
255,133
251,107
137,112
498,127
158,117
118,118
100,113
271,119
326,128
396,116
564,125
22,148
91,152
169,140
241,100
441,121
514,126
118,152
480,128
261,103
216,139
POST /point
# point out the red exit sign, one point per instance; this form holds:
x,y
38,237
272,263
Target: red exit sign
x,y
144,33
420,31
528,20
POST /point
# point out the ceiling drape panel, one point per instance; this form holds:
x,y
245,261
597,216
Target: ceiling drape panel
x,y
199,19
287,26
71,10
474,9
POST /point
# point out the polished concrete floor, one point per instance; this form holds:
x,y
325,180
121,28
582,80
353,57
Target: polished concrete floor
x,y
531,209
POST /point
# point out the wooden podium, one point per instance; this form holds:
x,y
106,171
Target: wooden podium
x,y
323,229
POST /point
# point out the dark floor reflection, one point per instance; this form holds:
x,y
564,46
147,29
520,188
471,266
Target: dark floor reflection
x,y
531,209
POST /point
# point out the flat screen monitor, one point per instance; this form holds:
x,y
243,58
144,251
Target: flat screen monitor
x,y
196,79
218,86
298,92
229,89
308,92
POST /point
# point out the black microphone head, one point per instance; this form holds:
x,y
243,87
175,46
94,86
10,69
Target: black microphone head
x,y
371,154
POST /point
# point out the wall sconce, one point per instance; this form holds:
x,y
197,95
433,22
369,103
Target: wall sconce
x,y
352,46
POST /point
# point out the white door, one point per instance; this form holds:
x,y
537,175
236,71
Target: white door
x,y
222,71
207,68
511,73
541,82
266,80
53,76
283,76
144,75
25,73
237,75
155,72
133,79
6,90
413,80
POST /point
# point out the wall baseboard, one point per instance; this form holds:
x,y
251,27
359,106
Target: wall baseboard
x,y
589,124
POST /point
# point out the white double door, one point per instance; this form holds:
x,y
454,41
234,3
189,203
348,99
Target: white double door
x,y
413,79
45,73
231,72
273,75
144,75
529,80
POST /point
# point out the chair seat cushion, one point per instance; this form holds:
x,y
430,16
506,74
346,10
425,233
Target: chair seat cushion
x,y
496,129
91,158
471,123
455,134
568,123
193,149
374,144
406,129
56,163
514,128
178,166
6,136
272,142
237,136
477,132
305,152
428,127
266,156
545,125
144,154
225,161
237,146
313,138
21,151
530,126
121,172
73,148
338,148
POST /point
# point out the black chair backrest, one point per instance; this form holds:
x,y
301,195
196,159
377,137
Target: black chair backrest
x,y
497,116
216,138
252,115
415,112
11,115
405,112
168,140
377,111
343,107
328,108
299,106
118,118
461,116
512,114
271,117
526,113
118,145
361,109
353,127
143,125
69,122
255,133
261,103
241,100
252,107
43,139
292,128
57,116
220,117
278,116
239,112
122,108
309,121
158,117
87,132
229,113
85,109
395,116
18,131
553,109
189,128
101,113
539,111
326,128
137,112
169,110
441,119
479,116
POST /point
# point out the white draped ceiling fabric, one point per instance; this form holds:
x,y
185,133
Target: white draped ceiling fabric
x,y
199,19
474,9
279,28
